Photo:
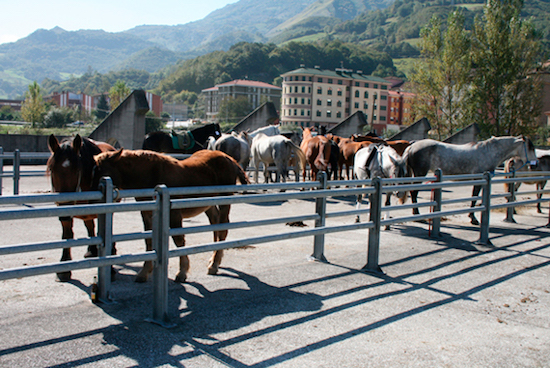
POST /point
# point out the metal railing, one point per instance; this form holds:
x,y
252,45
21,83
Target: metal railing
x,y
162,200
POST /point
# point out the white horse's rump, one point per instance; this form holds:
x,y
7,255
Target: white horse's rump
x,y
270,131
235,145
378,160
275,150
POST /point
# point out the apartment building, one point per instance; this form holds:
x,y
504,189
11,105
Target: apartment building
x,y
316,97
256,92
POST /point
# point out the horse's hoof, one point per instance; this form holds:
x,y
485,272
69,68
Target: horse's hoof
x,y
387,228
63,276
181,278
92,252
212,270
474,222
357,220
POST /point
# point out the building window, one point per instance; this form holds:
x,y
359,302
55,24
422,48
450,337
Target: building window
x,y
383,97
339,81
339,93
303,78
375,86
339,104
338,114
384,86
366,94
329,114
318,113
303,101
319,103
295,112
356,84
309,101
329,102
356,93
319,91
303,89
356,105
330,81
365,106
382,118
302,112
366,85
308,89
320,80
296,89
329,91
295,101
308,112
383,108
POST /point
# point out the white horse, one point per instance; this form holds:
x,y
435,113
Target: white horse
x,y
378,160
275,150
235,145
269,130
472,158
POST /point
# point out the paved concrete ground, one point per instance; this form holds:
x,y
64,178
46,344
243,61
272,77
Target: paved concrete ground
x,y
440,303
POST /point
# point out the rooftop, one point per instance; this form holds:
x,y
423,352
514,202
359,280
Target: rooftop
x,y
338,73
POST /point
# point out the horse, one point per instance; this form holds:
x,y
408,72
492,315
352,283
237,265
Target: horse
x,y
379,160
142,169
70,169
517,164
185,142
317,151
275,150
471,158
269,130
348,149
235,145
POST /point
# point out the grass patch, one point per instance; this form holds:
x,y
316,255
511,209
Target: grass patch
x,y
404,64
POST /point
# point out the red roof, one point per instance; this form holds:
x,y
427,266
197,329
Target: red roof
x,y
248,83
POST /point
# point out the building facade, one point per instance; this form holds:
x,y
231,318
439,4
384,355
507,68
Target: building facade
x,y
256,93
316,97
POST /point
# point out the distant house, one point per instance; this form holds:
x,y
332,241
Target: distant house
x,y
256,92
15,105
89,103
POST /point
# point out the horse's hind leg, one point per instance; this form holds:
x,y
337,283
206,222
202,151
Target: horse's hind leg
x,y
475,193
92,249
179,240
143,275
218,215
67,224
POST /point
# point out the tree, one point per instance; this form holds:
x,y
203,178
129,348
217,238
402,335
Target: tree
x,y
118,93
441,78
32,109
152,122
102,109
232,109
505,97
58,117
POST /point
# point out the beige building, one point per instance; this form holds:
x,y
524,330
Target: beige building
x,y
256,92
316,97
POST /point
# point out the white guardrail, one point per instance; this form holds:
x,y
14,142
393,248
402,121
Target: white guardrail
x,y
162,201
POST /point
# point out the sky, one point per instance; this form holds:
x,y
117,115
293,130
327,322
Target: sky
x,y
23,17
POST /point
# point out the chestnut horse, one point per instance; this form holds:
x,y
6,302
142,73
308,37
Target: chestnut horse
x,y
348,149
317,151
142,169
70,168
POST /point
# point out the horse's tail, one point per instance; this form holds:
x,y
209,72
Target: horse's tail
x,y
241,174
298,153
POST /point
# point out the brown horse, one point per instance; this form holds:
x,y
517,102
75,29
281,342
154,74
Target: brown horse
x,y
70,168
317,151
145,169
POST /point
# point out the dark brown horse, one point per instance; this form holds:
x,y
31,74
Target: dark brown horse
x,y
185,142
145,169
317,151
70,168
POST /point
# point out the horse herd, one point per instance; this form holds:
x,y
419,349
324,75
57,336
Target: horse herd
x,y
78,163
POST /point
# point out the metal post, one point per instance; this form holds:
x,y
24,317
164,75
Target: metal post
x,y
485,214
374,233
437,196
511,198
105,231
16,171
1,168
161,238
321,210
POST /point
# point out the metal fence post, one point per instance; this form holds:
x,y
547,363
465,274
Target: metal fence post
x,y
321,210
511,198
374,233
16,171
437,195
105,231
1,168
485,214
161,239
